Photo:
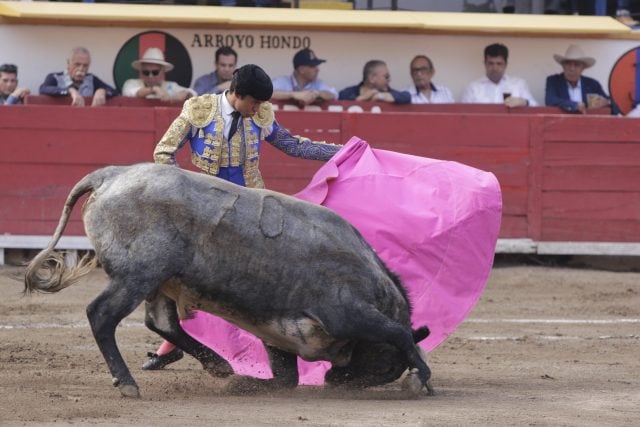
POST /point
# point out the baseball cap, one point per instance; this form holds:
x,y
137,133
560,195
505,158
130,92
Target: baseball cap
x,y
306,57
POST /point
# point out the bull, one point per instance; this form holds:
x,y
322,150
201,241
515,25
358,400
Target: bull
x,y
294,274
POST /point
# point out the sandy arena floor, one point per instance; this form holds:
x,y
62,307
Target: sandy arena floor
x,y
544,346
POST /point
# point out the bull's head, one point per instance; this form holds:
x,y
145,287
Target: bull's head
x,y
372,364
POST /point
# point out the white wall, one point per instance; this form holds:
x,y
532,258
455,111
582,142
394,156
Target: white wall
x,y
38,50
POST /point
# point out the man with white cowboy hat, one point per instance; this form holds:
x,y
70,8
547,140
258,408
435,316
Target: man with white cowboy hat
x,y
570,90
152,84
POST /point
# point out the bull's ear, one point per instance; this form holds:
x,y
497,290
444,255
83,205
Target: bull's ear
x,y
420,334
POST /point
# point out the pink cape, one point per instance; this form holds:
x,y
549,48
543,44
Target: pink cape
x,y
434,223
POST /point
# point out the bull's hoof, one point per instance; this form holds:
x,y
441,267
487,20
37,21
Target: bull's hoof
x,y
218,370
129,390
430,390
412,385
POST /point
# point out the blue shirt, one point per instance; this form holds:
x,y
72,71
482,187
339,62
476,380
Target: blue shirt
x,y
207,84
290,84
352,92
58,84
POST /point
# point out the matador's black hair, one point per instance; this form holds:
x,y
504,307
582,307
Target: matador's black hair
x,y
252,80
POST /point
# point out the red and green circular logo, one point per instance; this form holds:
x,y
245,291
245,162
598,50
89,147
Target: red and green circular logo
x,y
624,80
134,48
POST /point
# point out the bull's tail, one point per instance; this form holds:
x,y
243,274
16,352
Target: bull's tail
x,y
47,272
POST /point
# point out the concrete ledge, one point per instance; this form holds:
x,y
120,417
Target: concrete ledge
x,y
11,241
528,246
503,246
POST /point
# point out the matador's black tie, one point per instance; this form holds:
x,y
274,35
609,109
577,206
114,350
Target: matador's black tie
x,y
234,124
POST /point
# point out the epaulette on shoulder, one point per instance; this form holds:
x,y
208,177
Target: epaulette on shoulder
x,y
200,110
264,117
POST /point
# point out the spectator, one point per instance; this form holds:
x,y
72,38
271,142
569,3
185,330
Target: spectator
x,y
77,82
623,13
220,79
303,85
423,90
152,84
10,93
225,132
375,86
496,87
570,90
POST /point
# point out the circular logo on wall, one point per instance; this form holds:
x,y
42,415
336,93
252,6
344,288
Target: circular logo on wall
x,y
134,48
624,80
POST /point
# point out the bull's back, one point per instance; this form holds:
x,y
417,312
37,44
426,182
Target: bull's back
x,y
257,249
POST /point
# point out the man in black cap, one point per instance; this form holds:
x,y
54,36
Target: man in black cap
x,y
303,85
225,131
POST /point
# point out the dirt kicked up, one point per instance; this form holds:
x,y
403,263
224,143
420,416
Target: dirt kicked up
x,y
544,346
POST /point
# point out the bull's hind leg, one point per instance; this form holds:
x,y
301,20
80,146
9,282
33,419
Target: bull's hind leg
x,y
284,366
162,318
105,312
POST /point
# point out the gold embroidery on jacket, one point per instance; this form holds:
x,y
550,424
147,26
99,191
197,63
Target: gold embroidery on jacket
x,y
264,117
252,175
202,109
209,160
170,142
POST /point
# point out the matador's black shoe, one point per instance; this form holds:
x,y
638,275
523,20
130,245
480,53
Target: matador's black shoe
x,y
156,362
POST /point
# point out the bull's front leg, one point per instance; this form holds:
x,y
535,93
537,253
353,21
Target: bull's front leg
x,y
284,366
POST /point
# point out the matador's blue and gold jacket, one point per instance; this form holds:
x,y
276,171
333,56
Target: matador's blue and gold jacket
x,y
201,123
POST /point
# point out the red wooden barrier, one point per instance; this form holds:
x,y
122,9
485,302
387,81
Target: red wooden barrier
x,y
564,177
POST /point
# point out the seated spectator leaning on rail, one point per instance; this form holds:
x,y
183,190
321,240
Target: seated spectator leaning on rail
x,y
219,79
10,93
77,82
225,132
496,87
375,86
152,84
423,90
572,91
303,85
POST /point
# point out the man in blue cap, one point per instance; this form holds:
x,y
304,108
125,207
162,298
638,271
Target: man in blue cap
x,y
303,86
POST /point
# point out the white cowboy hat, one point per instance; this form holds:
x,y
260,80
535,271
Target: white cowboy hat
x,y
574,53
153,55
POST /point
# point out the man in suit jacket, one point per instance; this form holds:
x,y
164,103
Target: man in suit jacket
x,y
572,91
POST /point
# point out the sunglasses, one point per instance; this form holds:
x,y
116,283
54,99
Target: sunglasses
x,y
150,72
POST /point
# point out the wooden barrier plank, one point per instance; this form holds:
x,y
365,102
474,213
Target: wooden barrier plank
x,y
587,230
60,146
45,227
592,178
596,129
591,205
73,118
513,226
600,153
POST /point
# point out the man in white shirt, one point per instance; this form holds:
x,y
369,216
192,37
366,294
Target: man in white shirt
x,y
423,90
151,84
497,87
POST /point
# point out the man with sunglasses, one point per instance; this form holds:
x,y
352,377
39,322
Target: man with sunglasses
x,y
77,82
375,86
225,132
151,83
10,93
